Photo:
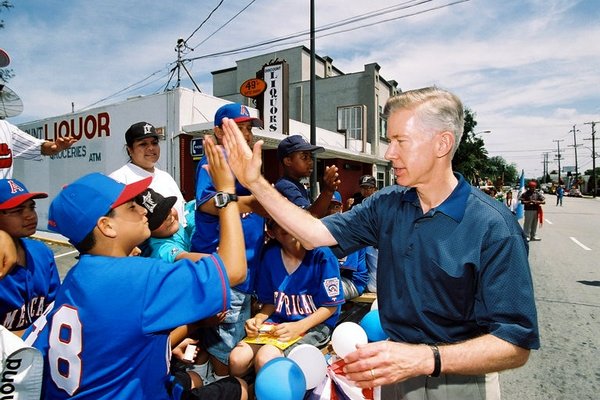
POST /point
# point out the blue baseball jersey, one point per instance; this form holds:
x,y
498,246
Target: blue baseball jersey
x,y
206,236
354,267
27,290
315,283
107,335
294,191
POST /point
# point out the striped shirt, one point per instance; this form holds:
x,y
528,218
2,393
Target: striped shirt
x,y
14,143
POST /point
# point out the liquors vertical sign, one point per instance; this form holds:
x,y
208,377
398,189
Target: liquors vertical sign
x,y
275,101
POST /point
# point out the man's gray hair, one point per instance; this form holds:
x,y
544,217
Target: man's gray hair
x,y
437,110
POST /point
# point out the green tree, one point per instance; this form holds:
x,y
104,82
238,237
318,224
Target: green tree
x,y
500,172
471,156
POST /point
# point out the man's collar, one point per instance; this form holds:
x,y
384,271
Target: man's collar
x,y
454,206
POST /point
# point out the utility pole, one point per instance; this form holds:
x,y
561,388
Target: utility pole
x,y
558,157
593,139
545,162
575,145
313,97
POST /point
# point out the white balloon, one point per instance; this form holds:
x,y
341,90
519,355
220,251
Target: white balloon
x,y
312,363
346,336
374,305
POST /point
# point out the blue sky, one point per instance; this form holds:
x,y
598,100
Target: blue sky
x,y
529,69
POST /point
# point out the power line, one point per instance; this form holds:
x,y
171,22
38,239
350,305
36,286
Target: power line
x,y
223,26
203,22
261,45
257,46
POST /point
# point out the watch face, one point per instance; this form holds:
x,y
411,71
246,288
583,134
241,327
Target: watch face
x,y
221,199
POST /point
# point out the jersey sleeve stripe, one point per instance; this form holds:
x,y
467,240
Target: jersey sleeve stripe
x,y
224,285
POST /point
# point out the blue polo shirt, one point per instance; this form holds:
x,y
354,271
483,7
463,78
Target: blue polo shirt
x,y
454,273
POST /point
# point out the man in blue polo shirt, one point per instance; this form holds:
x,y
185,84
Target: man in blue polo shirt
x,y
454,287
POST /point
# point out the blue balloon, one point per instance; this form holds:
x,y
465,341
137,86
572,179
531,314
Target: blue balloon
x,y
280,379
372,326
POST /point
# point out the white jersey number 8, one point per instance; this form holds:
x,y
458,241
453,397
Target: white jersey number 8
x,y
65,348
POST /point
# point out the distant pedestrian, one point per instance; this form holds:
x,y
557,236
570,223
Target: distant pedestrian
x,y
510,202
532,199
560,193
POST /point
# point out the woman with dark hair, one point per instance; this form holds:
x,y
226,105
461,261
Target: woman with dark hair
x,y
144,151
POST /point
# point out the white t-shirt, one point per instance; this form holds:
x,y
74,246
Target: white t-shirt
x,y
14,143
162,182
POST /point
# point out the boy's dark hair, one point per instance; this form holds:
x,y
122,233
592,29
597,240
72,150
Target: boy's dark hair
x,y
89,241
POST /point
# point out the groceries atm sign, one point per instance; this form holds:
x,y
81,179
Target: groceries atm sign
x,y
91,126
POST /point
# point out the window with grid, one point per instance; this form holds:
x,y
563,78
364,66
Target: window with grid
x,y
350,119
382,124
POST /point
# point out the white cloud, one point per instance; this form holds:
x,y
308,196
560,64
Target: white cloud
x,y
529,69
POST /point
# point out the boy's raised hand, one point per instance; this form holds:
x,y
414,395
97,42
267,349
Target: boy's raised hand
x,y
331,178
217,167
244,163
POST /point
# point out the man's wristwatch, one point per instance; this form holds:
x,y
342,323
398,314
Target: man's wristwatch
x,y
223,198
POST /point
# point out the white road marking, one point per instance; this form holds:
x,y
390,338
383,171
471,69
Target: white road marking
x,y
577,242
548,221
66,254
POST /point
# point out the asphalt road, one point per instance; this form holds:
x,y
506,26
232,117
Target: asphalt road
x,y
565,267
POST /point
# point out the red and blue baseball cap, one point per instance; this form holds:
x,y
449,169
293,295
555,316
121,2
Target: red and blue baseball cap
x,y
13,193
236,112
336,198
75,211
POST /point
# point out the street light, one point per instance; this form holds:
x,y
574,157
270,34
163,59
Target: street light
x,y
480,132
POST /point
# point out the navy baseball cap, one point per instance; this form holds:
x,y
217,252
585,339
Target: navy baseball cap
x,y
76,209
138,131
236,112
13,193
294,143
157,205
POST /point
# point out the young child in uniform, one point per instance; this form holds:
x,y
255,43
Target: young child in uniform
x,y
220,340
169,240
353,267
31,285
107,336
300,291
296,156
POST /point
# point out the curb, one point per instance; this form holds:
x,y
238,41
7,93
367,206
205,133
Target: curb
x,y
53,238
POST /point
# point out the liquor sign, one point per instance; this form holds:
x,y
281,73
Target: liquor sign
x,y
275,98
